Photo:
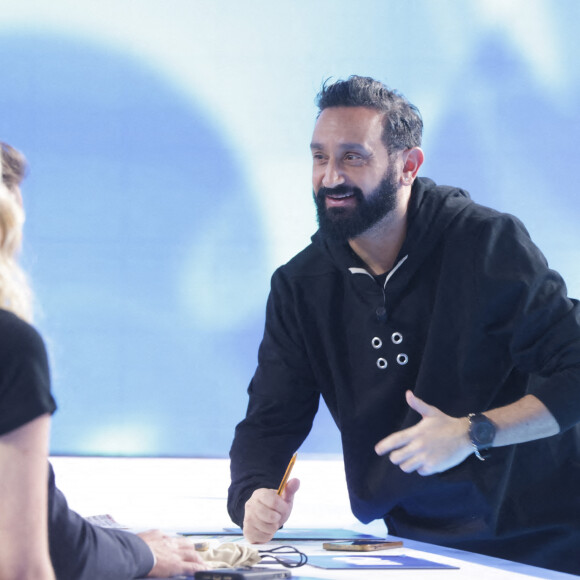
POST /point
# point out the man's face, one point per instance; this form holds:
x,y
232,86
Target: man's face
x,y
354,182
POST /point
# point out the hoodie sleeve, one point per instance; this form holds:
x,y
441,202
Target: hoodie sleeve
x,y
522,297
82,551
282,404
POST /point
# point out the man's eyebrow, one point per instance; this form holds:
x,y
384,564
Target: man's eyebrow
x,y
352,145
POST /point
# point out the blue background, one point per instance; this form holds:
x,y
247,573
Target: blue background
x,y
170,175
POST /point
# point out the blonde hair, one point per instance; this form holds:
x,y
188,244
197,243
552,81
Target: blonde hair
x,y
15,292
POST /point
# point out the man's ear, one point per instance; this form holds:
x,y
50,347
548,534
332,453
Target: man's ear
x,y
412,160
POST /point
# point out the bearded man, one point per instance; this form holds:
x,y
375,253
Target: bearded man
x,y
446,350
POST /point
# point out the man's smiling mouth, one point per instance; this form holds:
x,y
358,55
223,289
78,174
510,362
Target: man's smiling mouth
x,y
340,195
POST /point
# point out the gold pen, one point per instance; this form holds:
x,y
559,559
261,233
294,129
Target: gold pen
x,y
287,474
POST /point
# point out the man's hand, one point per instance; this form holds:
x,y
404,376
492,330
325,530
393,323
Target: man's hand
x,y
174,556
266,512
437,443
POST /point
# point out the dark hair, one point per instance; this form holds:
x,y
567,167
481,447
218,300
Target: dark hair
x,y
13,164
403,126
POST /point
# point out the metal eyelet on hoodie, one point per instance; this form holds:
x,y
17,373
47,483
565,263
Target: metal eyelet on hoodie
x,y
382,363
402,359
376,342
397,338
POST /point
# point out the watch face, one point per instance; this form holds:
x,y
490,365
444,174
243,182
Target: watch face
x,y
482,431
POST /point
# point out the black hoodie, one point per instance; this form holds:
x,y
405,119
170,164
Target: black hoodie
x,y
470,318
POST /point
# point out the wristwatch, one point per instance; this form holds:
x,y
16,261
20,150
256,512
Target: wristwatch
x,y
481,433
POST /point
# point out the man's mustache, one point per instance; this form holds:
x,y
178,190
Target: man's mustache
x,y
324,192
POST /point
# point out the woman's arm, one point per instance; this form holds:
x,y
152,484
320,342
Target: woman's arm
x,y
23,502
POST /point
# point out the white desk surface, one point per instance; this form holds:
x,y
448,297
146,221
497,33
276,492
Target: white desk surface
x,y
190,494
469,566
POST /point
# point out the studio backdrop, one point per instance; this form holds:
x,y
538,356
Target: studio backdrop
x,y
170,175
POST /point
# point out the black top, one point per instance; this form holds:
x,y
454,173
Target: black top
x,y
471,319
78,549
24,377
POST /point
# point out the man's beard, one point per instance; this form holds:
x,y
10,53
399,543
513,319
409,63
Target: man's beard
x,y
341,223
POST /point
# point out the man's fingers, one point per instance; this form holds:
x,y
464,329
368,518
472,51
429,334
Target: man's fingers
x,y
257,533
266,515
264,512
399,456
394,441
410,466
174,555
190,568
290,490
188,551
419,405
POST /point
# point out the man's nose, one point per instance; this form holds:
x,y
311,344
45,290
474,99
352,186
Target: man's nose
x,y
332,175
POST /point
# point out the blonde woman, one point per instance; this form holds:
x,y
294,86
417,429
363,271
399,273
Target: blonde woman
x,y
25,400
29,543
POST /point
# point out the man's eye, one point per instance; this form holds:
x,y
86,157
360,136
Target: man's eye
x,y
352,157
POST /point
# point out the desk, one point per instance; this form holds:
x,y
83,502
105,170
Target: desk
x,y
174,494
470,566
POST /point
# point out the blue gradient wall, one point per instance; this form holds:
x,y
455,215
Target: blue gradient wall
x,y
170,175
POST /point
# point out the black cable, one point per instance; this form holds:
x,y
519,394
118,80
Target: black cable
x,y
290,550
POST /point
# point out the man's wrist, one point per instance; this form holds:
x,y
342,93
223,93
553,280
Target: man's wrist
x,y
482,431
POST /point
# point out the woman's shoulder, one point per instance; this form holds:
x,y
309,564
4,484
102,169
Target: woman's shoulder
x,y
18,336
25,389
